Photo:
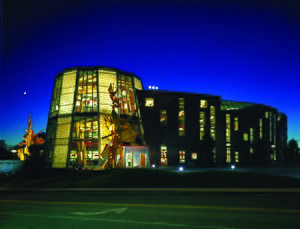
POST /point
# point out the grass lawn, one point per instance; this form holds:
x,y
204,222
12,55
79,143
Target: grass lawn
x,y
146,178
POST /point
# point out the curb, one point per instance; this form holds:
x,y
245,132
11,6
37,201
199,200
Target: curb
x,y
191,190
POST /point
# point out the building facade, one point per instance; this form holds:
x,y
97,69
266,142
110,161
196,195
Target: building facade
x,y
203,130
94,120
101,118
177,125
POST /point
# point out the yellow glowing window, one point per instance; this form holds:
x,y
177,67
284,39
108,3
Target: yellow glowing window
x,y
163,117
266,114
212,121
181,156
203,103
194,156
236,156
260,128
245,137
228,155
202,124
163,155
228,135
149,102
236,123
181,103
251,134
251,150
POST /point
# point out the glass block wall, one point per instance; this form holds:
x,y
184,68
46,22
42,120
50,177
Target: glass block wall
x,y
93,115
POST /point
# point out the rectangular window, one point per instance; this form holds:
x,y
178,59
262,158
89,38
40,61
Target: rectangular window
x,y
236,157
163,155
213,122
202,124
266,114
194,156
227,127
228,155
236,124
163,117
251,150
86,96
251,135
260,128
181,156
149,102
203,103
245,137
181,117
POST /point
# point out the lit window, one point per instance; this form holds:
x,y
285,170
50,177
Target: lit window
x,y
266,114
181,156
163,155
227,127
236,123
181,117
194,156
228,155
203,103
251,150
212,122
163,117
202,124
245,137
260,128
251,135
181,103
149,102
236,157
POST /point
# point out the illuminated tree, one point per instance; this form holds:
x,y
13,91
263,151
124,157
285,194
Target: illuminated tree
x,y
28,139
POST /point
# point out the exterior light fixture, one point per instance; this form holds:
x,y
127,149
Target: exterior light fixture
x,y
156,88
180,169
232,166
153,166
149,87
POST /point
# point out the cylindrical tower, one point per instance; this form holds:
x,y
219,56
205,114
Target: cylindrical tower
x,y
93,116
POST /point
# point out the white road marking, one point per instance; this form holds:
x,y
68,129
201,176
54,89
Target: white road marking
x,y
118,221
115,210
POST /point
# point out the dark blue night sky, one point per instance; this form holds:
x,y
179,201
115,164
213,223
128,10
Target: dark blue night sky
x,y
247,51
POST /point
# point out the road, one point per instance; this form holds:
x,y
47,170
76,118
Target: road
x,y
133,209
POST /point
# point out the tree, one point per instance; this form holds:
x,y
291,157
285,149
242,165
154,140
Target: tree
x,y
36,161
292,150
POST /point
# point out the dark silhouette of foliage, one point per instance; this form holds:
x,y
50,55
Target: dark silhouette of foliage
x,y
291,153
36,162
